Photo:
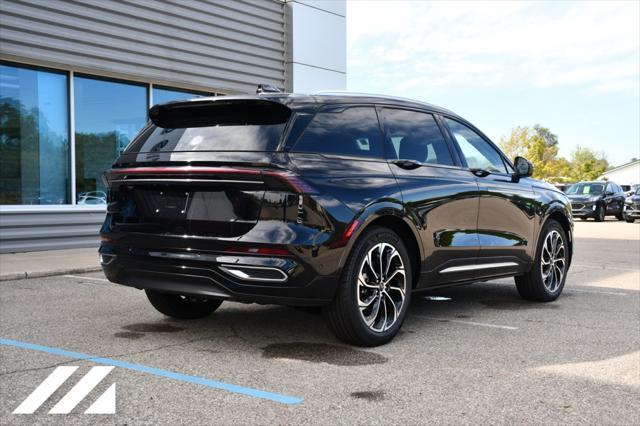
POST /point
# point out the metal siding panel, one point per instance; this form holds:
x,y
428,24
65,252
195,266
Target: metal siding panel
x,y
226,46
30,231
48,22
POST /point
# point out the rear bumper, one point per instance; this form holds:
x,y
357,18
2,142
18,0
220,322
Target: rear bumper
x,y
211,276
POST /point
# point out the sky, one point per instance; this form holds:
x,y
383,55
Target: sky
x,y
573,67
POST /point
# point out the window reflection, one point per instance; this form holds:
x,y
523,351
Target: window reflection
x,y
34,143
162,95
107,116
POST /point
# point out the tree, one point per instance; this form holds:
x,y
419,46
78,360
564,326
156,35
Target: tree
x,y
539,146
587,164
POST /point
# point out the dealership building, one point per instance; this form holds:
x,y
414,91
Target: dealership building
x,y
77,79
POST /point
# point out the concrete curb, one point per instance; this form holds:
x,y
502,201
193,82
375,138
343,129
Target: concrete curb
x,y
40,274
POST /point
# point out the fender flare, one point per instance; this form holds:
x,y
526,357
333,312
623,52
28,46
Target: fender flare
x,y
556,207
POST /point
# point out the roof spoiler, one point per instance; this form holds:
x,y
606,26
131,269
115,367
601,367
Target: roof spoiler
x,y
218,112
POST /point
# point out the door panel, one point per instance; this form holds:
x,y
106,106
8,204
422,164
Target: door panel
x,y
441,198
506,217
444,203
506,223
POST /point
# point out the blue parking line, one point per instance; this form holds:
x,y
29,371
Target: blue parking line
x,y
256,393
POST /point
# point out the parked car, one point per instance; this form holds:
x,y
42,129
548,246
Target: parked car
x,y
596,200
349,202
92,197
632,205
633,189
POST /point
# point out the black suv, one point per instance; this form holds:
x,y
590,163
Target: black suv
x,y
351,202
596,200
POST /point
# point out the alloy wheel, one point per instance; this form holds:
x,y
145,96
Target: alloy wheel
x,y
382,287
553,261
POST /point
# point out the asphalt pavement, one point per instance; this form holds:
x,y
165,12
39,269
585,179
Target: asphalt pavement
x,y
467,355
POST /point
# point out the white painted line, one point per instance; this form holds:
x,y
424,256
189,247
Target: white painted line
x,y
570,289
81,389
603,268
105,404
479,324
86,278
45,390
608,293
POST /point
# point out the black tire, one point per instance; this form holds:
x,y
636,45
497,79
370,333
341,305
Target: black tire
x,y
531,286
620,216
629,219
343,314
600,213
178,306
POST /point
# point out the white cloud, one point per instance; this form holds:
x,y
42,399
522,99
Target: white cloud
x,y
401,46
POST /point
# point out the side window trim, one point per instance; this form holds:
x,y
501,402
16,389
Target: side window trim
x,y
482,136
458,159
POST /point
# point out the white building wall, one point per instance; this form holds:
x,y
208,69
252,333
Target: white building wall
x,y
316,58
626,175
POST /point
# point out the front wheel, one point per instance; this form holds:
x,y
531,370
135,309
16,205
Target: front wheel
x,y
600,213
179,306
629,219
374,290
545,281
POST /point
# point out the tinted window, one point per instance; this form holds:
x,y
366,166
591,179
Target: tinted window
x,y
34,137
249,137
344,131
108,115
477,151
415,136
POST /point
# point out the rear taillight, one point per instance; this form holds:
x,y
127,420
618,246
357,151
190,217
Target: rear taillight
x,y
274,179
292,181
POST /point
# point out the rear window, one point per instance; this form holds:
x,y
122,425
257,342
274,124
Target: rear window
x,y
350,131
235,125
213,138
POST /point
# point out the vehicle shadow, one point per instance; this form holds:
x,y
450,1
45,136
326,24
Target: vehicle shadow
x,y
466,318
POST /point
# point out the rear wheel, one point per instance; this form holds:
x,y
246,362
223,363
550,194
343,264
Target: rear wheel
x,y
179,306
545,281
374,292
600,214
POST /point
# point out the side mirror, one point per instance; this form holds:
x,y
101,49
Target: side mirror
x,y
524,168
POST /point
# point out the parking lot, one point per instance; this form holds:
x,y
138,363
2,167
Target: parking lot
x,y
472,354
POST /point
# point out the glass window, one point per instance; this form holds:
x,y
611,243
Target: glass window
x,y
343,131
107,116
34,137
415,136
162,95
586,189
240,125
212,138
477,151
